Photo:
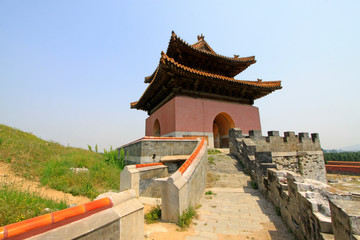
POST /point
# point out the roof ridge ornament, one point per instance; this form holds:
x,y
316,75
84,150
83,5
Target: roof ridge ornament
x,y
173,35
200,37
236,56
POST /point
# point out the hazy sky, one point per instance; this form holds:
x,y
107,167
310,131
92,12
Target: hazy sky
x,y
69,69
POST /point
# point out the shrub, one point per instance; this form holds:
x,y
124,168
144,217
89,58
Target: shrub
x,y
112,157
254,185
185,219
153,215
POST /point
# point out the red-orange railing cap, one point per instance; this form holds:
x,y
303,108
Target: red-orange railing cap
x,y
2,233
187,163
27,225
68,213
99,203
147,164
18,228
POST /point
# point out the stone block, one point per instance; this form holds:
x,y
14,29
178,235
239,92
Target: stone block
x,y
235,133
255,134
273,133
345,216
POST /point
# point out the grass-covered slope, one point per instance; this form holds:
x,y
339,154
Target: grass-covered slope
x,y
16,206
50,163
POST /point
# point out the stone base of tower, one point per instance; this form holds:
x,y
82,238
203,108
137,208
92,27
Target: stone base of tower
x,y
209,136
186,116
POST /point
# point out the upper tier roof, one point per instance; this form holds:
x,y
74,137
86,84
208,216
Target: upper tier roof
x,y
202,57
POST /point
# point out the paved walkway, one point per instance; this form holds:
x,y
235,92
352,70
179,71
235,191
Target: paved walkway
x,y
234,210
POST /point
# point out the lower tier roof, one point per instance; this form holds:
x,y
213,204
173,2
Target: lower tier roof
x,y
172,78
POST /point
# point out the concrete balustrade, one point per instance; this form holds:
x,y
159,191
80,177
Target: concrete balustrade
x,y
178,191
111,216
186,186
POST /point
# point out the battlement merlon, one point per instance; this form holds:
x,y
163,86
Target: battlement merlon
x,y
273,142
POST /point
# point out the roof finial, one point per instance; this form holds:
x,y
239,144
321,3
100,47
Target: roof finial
x,y
259,80
200,37
236,56
173,34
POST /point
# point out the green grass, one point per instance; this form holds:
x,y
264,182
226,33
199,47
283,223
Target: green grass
x,y
49,162
16,206
254,185
211,160
153,215
210,193
213,151
185,219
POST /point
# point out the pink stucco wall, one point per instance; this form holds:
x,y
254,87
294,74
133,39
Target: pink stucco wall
x,y
197,115
166,117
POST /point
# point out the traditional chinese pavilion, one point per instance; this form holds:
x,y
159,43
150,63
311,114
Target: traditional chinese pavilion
x,y
193,92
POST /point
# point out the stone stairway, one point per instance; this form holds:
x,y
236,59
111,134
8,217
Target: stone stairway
x,y
231,209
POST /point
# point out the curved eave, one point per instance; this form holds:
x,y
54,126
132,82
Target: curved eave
x,y
166,60
152,76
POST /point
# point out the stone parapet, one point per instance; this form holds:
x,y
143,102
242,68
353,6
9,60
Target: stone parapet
x,y
141,177
186,186
152,149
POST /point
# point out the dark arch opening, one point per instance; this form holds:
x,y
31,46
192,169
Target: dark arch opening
x,y
156,129
221,126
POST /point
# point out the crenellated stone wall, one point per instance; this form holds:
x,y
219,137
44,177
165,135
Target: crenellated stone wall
x,y
298,153
290,172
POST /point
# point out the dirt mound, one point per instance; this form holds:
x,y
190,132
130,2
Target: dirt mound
x,y
8,177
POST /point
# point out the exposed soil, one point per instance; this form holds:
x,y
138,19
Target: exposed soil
x,y
8,177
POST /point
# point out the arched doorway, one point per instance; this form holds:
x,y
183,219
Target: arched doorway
x,y
156,129
221,126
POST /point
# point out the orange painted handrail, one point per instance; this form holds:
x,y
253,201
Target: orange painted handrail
x,y
188,162
79,211
148,164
